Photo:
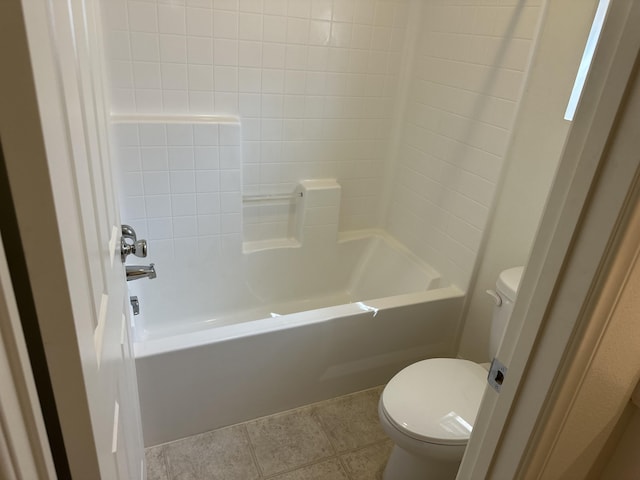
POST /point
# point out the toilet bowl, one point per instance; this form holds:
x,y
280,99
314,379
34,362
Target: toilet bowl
x,y
429,408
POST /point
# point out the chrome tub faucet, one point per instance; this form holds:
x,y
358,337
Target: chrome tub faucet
x,y
134,272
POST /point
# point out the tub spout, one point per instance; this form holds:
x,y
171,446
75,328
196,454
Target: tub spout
x,y
135,272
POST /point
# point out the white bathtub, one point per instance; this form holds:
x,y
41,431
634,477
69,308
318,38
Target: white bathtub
x,y
311,328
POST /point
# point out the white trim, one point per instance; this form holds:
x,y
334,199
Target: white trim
x,y
98,334
116,428
606,320
566,257
24,447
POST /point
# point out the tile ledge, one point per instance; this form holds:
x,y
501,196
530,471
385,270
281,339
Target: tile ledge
x,y
169,118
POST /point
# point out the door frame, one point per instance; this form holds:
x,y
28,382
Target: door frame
x,y
550,270
587,209
24,446
27,170
39,162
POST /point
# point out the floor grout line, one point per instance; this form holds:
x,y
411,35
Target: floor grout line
x,y
245,431
324,429
300,467
347,471
165,462
301,407
313,413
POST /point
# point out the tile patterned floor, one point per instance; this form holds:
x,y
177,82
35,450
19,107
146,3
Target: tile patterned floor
x,y
338,439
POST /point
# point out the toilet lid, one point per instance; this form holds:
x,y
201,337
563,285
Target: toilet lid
x,y
436,400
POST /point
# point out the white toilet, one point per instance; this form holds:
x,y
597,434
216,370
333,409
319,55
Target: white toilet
x,y
429,408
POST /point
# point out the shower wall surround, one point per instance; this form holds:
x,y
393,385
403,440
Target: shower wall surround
x,y
315,86
469,70
181,186
313,83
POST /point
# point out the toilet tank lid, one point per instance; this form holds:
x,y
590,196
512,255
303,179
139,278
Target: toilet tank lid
x,y
509,281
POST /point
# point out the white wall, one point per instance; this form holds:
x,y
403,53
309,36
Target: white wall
x,y
314,83
533,156
469,69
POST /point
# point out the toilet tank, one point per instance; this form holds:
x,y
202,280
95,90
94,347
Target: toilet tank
x,y
505,295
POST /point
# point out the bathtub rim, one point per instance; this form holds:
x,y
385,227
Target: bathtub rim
x,y
198,338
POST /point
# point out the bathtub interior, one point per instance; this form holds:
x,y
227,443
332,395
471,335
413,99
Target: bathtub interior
x,y
198,292
231,329
293,325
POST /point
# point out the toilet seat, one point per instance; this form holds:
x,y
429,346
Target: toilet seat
x,y
435,400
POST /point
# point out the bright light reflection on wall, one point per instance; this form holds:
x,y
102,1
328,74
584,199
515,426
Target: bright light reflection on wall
x,y
587,57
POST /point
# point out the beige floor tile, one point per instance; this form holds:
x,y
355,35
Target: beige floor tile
x,y
156,467
367,463
217,455
287,441
328,470
351,421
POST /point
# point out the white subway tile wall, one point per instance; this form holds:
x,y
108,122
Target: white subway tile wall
x,y
314,82
469,69
181,186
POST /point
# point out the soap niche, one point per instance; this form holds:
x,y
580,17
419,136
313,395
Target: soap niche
x,y
284,220
271,220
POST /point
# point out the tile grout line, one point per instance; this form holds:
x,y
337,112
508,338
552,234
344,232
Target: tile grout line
x,y
303,406
310,410
334,453
323,428
337,456
347,470
300,467
293,469
340,454
245,431
165,462
326,434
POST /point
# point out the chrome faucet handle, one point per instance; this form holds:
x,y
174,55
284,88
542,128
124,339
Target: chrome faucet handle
x,y
129,233
139,248
129,244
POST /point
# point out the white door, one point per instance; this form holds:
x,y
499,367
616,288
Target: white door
x,y
81,300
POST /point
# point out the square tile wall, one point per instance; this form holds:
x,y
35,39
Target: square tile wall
x,y
314,82
273,220
315,85
469,69
181,185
